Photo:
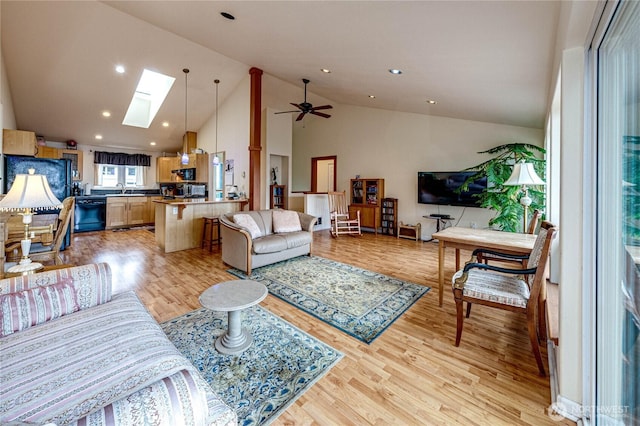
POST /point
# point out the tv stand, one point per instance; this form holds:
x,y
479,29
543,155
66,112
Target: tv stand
x,y
441,219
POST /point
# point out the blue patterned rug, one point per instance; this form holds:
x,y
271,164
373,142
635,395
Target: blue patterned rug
x,y
260,383
359,302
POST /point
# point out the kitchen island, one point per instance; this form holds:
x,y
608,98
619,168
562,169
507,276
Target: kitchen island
x,y
179,221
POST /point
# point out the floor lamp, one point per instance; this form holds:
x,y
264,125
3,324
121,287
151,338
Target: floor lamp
x,y
524,175
28,193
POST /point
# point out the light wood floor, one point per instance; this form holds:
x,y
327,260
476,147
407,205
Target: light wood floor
x,y
411,375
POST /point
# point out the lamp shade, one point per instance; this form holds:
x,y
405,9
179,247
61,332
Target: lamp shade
x,y
30,192
523,174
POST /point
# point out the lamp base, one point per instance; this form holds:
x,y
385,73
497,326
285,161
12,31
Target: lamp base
x,y
25,268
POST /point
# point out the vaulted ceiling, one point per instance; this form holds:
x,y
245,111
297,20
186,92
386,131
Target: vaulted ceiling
x,y
479,60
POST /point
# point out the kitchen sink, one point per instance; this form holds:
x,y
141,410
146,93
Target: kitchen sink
x,y
125,195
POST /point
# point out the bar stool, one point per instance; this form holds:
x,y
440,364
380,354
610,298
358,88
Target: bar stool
x,y
214,224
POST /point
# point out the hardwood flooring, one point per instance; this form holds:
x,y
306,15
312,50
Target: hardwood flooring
x,y
411,375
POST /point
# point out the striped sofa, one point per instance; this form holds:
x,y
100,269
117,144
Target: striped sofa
x,y
70,353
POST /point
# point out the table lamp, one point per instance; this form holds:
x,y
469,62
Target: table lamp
x,y
524,175
28,193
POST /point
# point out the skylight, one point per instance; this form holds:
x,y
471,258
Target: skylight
x,y
152,89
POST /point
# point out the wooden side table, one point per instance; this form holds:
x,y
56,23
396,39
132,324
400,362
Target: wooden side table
x,y
412,232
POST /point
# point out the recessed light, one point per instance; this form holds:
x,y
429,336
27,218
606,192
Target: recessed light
x,y
372,96
120,69
325,70
99,137
228,15
152,143
165,124
106,114
395,71
431,102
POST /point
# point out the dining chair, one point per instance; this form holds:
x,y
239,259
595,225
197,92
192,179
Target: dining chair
x,y
517,290
341,222
40,252
532,229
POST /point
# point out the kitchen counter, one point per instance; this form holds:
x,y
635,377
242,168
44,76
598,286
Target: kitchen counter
x,y
179,221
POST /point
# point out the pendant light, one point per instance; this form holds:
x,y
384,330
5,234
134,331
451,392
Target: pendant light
x,y
216,159
184,160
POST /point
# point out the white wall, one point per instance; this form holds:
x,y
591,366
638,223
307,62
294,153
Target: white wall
x,y
233,132
375,143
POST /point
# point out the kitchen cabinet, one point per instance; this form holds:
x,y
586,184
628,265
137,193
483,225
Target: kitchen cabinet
x,y
47,152
189,142
164,165
126,211
150,214
18,142
76,161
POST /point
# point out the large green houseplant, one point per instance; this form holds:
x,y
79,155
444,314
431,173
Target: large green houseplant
x,y
505,200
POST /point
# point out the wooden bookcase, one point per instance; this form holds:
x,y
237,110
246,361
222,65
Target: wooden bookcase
x,y
278,194
389,218
366,197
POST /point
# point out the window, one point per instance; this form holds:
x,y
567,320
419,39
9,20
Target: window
x,y
218,178
618,221
109,175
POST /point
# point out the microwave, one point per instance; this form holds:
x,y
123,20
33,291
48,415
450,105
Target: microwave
x,y
185,174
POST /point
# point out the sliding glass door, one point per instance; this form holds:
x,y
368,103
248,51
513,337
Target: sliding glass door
x,y
617,393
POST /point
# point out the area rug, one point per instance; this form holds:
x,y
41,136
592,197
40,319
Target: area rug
x,y
359,302
260,383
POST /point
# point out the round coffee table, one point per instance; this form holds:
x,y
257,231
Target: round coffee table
x,y
232,297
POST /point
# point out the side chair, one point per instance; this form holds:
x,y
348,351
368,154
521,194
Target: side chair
x,y
516,290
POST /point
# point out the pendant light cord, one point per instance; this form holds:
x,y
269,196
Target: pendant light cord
x,y
186,72
216,81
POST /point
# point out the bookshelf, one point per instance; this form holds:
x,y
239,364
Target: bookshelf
x,y
366,197
278,195
389,217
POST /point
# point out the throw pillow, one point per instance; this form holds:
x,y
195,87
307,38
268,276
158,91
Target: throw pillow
x,y
246,221
24,309
286,221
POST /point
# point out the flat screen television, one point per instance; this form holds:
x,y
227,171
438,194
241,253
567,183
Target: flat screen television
x,y
440,188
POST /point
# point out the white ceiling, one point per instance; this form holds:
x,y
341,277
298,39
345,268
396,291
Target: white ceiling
x,y
480,60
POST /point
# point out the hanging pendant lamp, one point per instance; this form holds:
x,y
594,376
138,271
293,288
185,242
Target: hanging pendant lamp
x,y
184,159
216,159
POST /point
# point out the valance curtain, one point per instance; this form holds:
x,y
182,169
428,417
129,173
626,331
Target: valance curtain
x,y
121,159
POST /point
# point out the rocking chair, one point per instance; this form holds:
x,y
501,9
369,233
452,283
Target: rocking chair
x,y
341,222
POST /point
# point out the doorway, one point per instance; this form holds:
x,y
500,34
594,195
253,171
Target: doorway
x,y
323,174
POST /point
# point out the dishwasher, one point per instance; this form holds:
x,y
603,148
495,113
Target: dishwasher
x,y
90,214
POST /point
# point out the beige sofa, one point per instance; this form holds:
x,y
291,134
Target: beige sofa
x,y
246,248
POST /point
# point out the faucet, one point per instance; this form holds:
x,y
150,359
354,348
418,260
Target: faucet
x,y
124,190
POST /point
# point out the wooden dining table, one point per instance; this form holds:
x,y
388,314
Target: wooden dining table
x,y
471,239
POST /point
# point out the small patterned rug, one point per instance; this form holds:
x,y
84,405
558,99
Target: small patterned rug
x,y
260,383
359,302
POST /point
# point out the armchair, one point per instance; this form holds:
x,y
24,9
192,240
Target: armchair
x,y
517,290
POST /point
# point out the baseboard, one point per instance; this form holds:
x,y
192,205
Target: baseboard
x,y
564,407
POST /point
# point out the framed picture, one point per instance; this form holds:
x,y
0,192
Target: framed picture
x,y
228,172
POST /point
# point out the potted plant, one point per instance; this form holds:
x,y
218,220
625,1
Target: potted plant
x,y
505,200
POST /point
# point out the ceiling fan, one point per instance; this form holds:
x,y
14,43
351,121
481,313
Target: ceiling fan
x,y
306,108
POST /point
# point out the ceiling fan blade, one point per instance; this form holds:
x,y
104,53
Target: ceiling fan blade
x,y
297,106
321,114
321,107
301,116
284,112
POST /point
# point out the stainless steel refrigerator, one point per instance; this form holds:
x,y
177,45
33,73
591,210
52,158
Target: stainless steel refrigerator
x,y
58,173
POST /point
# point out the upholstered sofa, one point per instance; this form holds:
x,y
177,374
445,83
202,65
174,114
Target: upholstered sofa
x,y
257,238
72,353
